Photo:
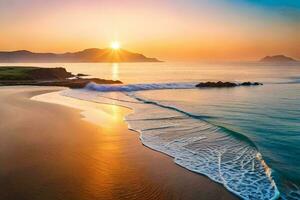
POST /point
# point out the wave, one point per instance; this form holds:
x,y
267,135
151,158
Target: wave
x,y
215,143
202,117
139,87
225,156
288,80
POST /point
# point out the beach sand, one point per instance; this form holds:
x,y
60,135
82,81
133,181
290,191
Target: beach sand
x,y
48,152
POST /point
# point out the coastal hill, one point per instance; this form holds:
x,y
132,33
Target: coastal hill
x,y
15,75
278,59
87,55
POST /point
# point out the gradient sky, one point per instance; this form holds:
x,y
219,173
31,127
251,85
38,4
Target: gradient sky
x,y
167,29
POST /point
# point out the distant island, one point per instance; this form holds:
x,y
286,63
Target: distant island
x,y
15,75
87,55
278,59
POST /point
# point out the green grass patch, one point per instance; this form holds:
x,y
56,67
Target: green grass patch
x,y
16,73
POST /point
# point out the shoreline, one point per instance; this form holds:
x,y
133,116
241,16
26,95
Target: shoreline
x,y
113,163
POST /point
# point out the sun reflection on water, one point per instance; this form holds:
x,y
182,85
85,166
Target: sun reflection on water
x,y
115,71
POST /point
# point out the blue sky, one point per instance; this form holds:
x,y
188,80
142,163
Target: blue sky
x,y
272,3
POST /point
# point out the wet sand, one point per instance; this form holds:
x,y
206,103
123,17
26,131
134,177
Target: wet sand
x,y
48,152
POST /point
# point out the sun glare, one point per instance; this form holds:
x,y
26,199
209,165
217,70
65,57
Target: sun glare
x,y
115,45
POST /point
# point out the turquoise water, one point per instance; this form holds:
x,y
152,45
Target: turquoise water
x,y
245,138
269,116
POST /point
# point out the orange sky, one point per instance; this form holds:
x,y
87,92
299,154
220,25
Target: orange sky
x,y
169,30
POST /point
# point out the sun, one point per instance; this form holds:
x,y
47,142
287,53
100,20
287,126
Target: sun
x,y
115,45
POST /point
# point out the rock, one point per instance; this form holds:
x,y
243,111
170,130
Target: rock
x,y
250,84
77,83
218,84
58,73
81,74
221,84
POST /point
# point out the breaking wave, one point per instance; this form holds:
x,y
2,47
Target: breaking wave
x,y
139,87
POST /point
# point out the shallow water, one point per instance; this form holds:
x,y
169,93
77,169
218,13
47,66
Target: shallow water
x,y
246,138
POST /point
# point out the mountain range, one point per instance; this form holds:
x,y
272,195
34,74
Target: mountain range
x,y
87,55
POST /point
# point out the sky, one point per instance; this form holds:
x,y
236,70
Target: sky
x,y
175,30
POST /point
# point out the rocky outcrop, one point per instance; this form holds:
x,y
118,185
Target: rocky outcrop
x,y
221,84
78,83
58,73
46,77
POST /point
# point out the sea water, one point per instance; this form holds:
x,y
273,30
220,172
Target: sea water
x,y
246,138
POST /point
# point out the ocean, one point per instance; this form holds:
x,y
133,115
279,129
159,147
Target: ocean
x,y
245,138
